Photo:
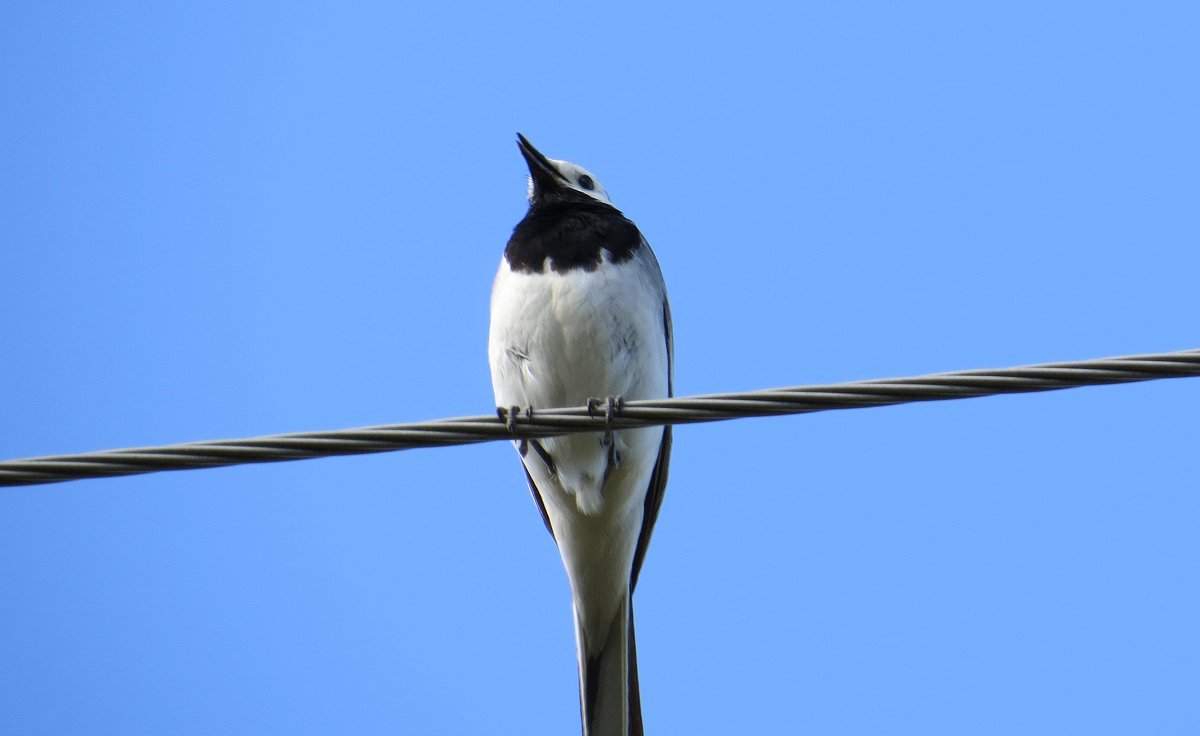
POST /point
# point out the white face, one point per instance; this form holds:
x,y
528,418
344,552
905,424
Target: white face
x,y
578,178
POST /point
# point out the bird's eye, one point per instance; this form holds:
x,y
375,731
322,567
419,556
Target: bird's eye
x,y
586,182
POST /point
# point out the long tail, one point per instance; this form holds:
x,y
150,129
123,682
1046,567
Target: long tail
x,y
609,701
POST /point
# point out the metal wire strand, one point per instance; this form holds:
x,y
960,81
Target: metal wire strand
x,y
552,422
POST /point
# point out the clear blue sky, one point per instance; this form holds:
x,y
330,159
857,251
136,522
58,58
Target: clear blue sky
x,y
243,219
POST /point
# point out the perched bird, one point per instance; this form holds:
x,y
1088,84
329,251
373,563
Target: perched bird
x,y
579,315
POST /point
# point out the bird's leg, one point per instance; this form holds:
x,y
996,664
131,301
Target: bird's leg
x,y
612,406
524,448
509,415
546,457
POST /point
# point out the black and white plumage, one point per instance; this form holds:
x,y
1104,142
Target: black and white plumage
x,y
580,313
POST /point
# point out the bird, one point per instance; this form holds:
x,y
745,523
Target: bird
x,y
579,315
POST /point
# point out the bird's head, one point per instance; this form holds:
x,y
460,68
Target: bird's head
x,y
552,180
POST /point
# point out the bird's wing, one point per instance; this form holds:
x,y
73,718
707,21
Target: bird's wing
x,y
658,479
654,497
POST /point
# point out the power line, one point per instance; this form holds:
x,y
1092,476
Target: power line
x,y
552,422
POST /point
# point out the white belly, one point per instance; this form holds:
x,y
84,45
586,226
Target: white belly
x,y
560,339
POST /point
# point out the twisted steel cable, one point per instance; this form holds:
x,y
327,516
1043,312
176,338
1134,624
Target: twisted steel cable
x,y
551,422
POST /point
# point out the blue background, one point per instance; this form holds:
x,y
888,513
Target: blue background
x,y
226,219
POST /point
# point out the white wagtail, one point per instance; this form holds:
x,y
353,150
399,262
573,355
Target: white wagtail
x,y
580,316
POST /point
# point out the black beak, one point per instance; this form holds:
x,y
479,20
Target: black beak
x,y
545,176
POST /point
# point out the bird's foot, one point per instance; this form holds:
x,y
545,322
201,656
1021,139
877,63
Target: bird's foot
x,y
612,406
509,416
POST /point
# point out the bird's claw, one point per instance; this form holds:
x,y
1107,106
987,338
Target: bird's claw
x,y
612,406
509,416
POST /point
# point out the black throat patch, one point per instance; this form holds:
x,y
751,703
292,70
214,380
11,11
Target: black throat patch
x,y
571,234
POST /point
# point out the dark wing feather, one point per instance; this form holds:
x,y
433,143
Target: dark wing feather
x,y
654,497
537,497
